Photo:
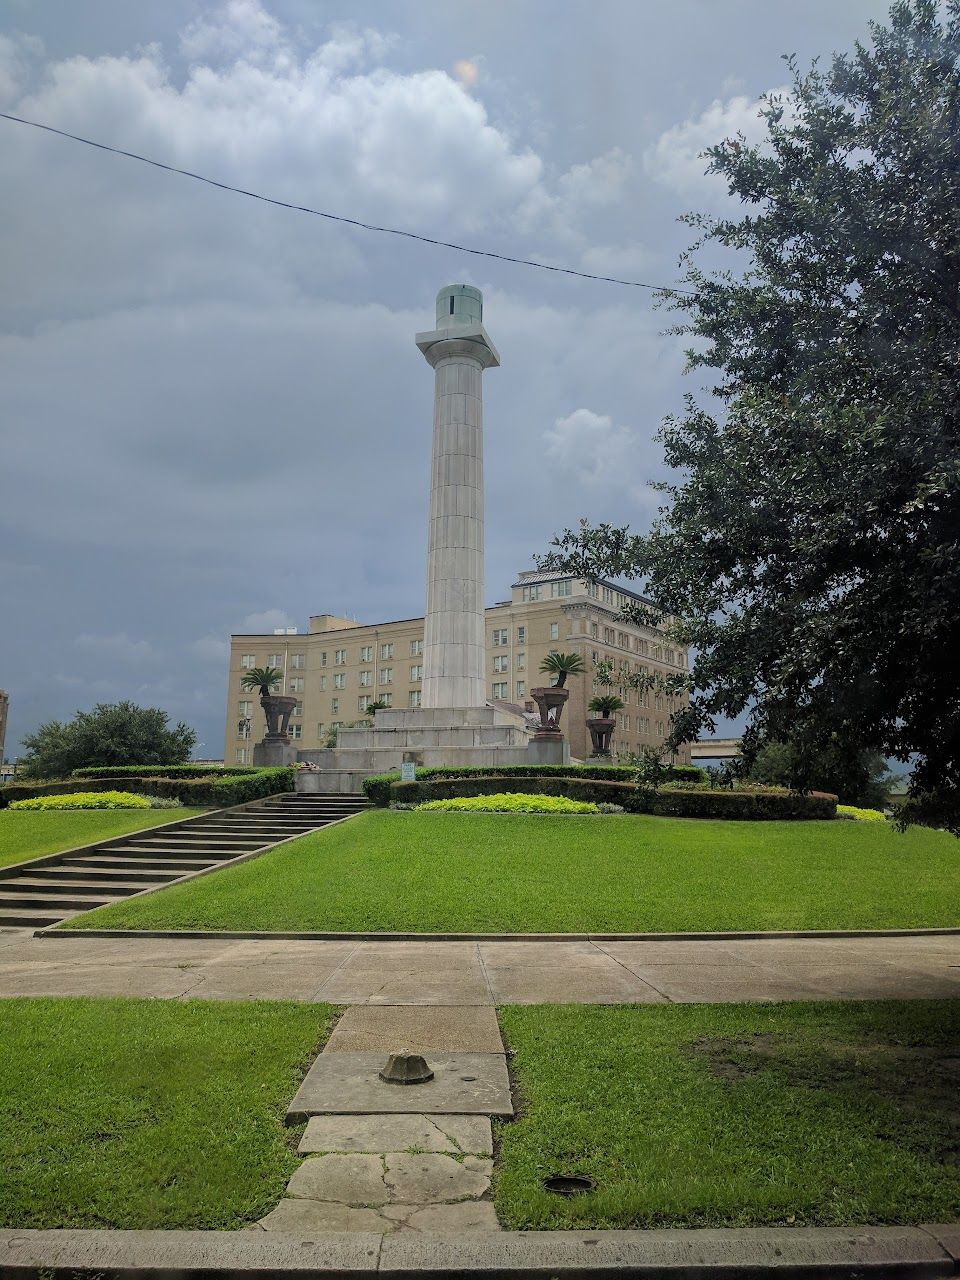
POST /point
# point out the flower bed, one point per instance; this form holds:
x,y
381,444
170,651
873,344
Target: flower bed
x,y
860,815
505,802
676,800
86,800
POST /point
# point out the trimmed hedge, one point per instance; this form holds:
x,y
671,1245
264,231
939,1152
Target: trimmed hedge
x,y
676,800
377,786
161,770
219,791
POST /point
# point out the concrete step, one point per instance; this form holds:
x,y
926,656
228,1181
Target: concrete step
x,y
36,919
137,864
92,884
53,902
122,868
159,851
203,839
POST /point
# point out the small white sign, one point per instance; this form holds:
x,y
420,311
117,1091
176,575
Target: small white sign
x,y
408,771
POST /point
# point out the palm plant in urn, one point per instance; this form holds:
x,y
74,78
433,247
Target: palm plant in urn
x,y
276,707
603,706
550,700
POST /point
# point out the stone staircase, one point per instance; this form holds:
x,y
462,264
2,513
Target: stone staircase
x,y
63,885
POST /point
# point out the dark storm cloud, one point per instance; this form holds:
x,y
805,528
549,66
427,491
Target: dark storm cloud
x,y
213,413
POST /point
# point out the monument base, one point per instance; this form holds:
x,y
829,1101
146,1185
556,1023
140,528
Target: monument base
x,y
274,755
429,737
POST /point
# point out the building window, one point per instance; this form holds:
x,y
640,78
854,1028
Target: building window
x,y
500,635
321,729
521,635
334,706
363,701
296,684
386,651
274,659
298,709
416,648
241,755
366,653
564,588
323,659
607,636
414,698
659,728
323,682
386,675
340,658
594,630
554,630
521,662
386,699
500,689
622,639
366,678
248,660
340,680
500,662
521,688
416,672
245,708
295,730
534,592
298,661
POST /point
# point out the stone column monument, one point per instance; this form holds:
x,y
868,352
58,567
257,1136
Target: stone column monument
x,y
454,652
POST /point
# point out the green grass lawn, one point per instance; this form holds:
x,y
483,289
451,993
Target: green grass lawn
x,y
29,834
430,872
733,1115
149,1114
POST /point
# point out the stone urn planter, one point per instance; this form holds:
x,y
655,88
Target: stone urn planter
x,y
550,701
601,731
278,709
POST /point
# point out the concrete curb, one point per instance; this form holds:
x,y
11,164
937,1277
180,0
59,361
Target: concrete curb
x,y
802,1253
252,935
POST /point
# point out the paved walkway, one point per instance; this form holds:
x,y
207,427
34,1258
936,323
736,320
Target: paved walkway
x,y
485,973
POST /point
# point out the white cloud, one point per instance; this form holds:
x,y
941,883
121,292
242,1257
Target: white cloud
x,y
238,29
119,647
266,622
211,649
676,157
599,454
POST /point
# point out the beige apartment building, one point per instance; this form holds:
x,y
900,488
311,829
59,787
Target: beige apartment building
x,y
339,666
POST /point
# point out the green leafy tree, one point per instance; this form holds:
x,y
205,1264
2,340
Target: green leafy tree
x,y
562,665
809,550
857,777
111,734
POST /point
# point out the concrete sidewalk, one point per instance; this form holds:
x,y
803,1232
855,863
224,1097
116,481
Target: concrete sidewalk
x,y
484,973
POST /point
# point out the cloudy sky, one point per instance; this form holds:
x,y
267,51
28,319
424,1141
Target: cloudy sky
x,y
214,418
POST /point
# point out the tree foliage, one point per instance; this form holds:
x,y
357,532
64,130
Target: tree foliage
x,y
810,550
111,734
856,777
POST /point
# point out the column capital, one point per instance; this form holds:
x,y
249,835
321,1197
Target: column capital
x,y
471,343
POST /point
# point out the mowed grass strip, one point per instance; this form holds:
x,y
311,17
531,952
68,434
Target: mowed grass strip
x,y
25,835
141,1114
733,1115
479,873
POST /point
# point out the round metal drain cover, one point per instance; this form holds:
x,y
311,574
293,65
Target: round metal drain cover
x,y
569,1184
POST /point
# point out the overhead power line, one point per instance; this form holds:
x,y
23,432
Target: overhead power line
x,y
336,217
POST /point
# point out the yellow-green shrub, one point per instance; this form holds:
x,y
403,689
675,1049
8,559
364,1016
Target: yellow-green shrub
x,y
509,803
86,800
859,815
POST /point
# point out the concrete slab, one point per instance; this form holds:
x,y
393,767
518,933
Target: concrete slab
x,y
346,1179
417,1028
348,1083
380,1134
469,1217
434,1179
297,1218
